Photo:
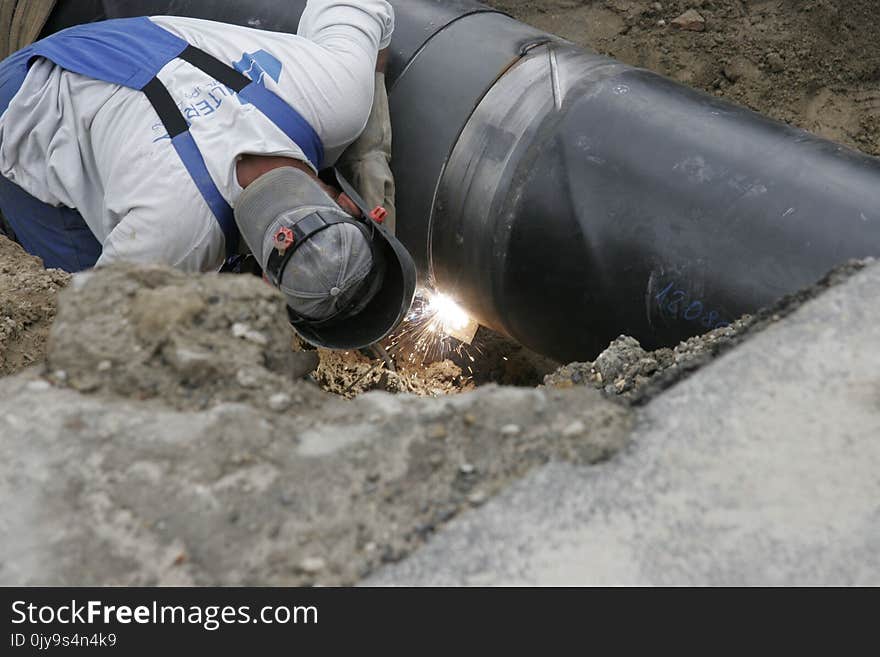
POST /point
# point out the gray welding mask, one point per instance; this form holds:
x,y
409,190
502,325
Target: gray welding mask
x,y
347,281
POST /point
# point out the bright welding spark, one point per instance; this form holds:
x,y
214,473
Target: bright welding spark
x,y
449,316
434,327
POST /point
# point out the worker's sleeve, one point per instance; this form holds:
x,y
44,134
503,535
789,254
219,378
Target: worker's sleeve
x,y
367,162
340,25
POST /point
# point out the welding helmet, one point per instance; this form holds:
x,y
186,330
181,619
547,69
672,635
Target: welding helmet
x,y
347,280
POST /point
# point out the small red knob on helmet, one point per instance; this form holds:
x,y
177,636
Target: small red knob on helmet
x,y
284,239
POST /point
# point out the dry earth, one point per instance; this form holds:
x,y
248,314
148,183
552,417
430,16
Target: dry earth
x,y
27,306
812,63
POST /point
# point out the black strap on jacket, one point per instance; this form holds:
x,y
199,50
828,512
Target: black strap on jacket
x,y
177,127
212,66
169,113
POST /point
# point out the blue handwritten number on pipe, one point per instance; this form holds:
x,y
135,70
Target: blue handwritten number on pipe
x,y
663,294
678,299
694,311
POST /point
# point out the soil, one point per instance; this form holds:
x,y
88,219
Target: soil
x,y
812,63
191,341
351,373
104,491
490,358
27,306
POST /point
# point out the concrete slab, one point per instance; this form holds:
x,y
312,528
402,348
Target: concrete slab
x,y
762,469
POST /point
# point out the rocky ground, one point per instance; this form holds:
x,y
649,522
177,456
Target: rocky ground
x,y
28,295
627,372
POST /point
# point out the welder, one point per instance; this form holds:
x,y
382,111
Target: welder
x,y
166,140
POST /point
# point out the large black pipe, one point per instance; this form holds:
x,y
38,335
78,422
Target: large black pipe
x,y
566,198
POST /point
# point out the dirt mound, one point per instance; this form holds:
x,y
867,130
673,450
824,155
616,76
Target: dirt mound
x,y
815,64
624,368
192,340
27,306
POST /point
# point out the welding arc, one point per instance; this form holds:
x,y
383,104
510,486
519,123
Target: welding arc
x,y
565,198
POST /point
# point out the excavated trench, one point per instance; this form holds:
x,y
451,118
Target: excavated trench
x,y
196,341
28,302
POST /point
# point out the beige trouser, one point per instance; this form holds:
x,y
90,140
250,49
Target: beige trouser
x,y
21,22
367,162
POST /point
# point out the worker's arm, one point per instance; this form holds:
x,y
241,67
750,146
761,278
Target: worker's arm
x,y
367,162
359,32
343,26
250,167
